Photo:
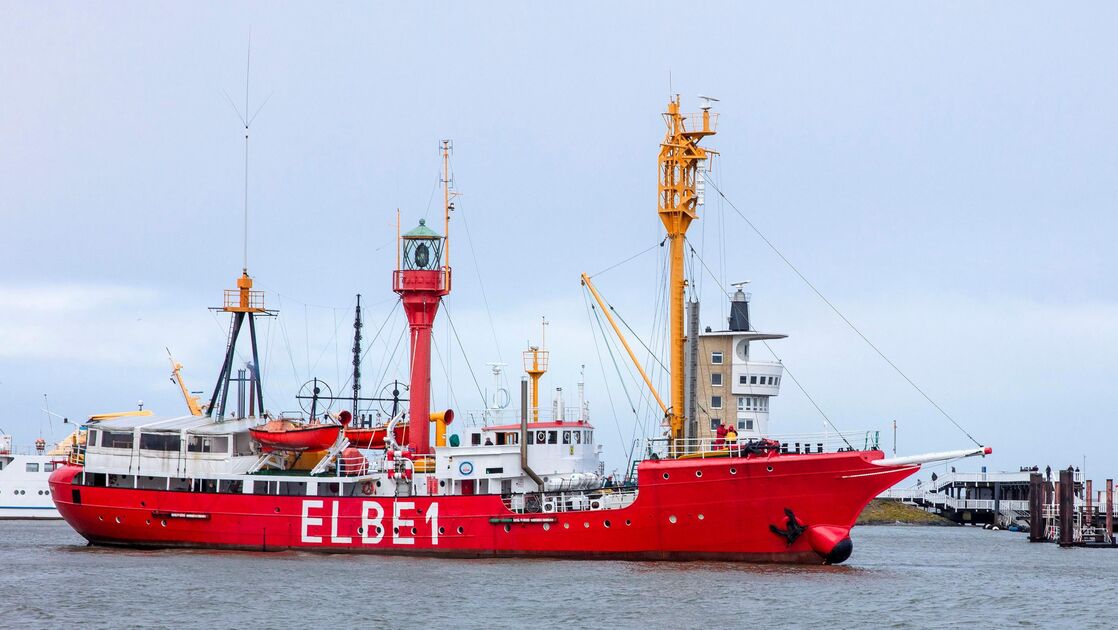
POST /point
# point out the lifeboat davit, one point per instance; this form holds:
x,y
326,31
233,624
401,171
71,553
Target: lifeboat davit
x,y
286,435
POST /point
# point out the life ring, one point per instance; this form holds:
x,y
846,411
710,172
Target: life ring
x,y
367,488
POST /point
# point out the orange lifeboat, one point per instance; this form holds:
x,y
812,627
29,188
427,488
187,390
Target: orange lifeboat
x,y
370,437
286,435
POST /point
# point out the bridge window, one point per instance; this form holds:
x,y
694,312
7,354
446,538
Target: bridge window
x,y
48,467
475,439
160,442
200,444
716,379
716,357
578,437
116,439
242,444
32,467
531,437
566,437
552,437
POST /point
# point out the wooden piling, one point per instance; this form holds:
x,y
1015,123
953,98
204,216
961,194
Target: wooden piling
x,y
1036,507
1088,516
1065,495
1110,511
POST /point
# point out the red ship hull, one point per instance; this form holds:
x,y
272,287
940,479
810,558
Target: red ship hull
x,y
731,509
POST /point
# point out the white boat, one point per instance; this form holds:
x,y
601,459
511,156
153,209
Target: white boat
x,y
24,492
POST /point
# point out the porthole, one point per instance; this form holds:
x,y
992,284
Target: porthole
x,y
277,510
566,525
672,518
547,527
163,523
442,530
100,518
628,522
507,529
378,483
395,531
142,504
665,475
413,530
698,473
586,524
118,520
733,471
460,530
442,483
701,517
361,531
769,468
606,523
380,530
148,521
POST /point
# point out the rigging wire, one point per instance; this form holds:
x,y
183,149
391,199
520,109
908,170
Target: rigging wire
x,y
798,384
807,395
481,284
841,316
464,355
591,308
630,258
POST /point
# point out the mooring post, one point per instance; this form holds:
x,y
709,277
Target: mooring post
x,y
1065,494
1110,511
1089,515
1036,507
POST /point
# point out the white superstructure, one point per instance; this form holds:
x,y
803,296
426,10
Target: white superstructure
x,y
24,492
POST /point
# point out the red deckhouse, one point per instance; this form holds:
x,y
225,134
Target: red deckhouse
x,y
501,488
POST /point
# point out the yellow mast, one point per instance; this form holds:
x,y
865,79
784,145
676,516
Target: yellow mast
x,y
680,160
535,364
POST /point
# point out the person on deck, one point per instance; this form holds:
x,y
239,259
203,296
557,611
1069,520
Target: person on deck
x,y
732,437
720,436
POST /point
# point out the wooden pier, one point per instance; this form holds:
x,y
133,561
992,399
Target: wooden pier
x,y
1060,514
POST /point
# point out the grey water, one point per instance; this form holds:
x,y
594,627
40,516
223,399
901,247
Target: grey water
x,y
898,577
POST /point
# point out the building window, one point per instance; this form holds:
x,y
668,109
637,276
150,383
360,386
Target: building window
x,y
715,402
752,380
743,380
745,425
716,357
741,403
715,423
716,379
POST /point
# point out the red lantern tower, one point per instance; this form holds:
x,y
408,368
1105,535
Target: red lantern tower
x,y
422,281
422,278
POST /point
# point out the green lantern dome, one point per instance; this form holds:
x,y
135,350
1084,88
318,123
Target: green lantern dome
x,y
422,231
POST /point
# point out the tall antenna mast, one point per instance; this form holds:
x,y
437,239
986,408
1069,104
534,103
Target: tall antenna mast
x,y
357,325
446,147
245,119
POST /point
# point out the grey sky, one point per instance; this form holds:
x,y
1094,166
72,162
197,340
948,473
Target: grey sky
x,y
943,173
